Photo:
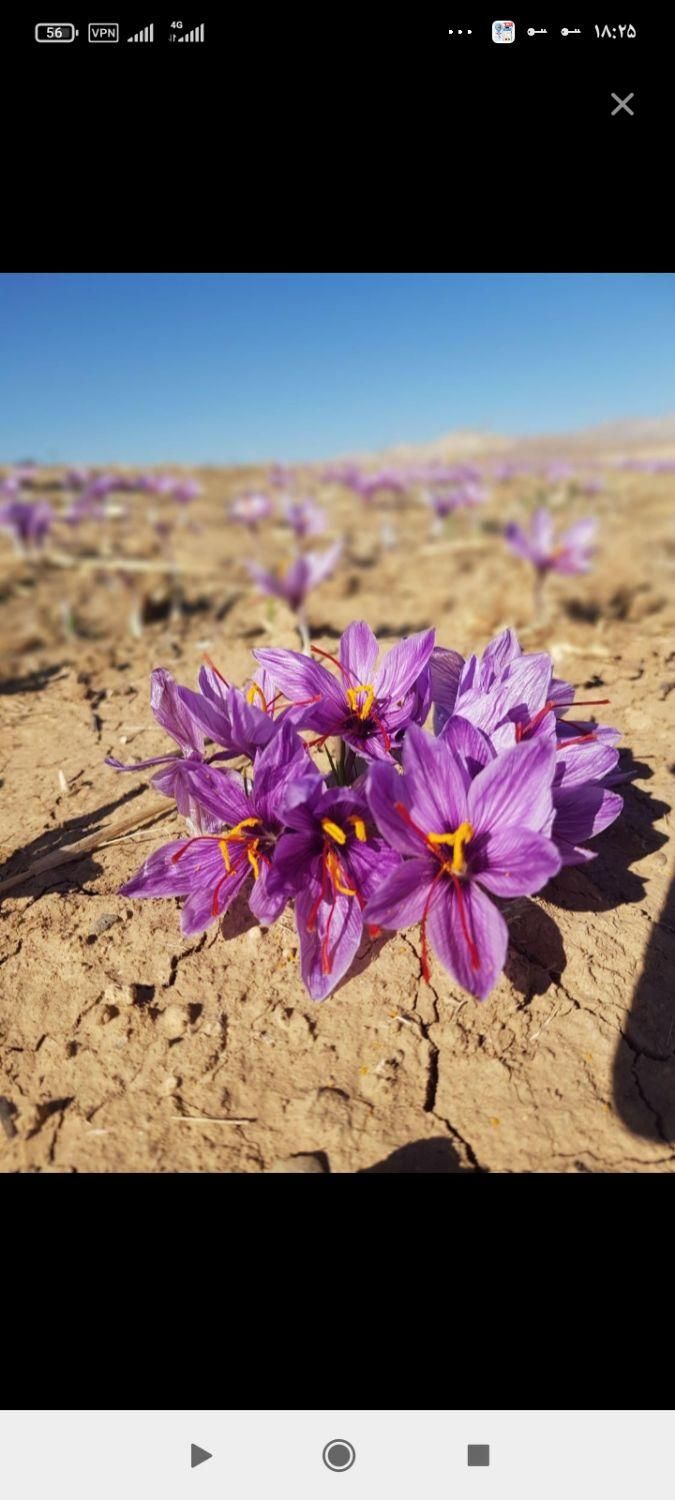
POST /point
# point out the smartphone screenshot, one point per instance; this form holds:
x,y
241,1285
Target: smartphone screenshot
x,y
337,503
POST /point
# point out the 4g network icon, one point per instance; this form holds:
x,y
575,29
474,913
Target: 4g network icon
x,y
503,31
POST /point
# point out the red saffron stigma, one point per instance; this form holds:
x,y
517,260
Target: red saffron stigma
x,y
341,668
473,951
579,739
198,839
424,955
214,668
523,729
402,811
386,740
216,893
582,703
326,961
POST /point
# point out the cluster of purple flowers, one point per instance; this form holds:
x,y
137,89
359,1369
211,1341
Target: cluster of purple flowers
x,y
28,522
461,497
409,826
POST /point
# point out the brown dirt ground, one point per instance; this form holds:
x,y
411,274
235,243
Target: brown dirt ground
x,y
125,1047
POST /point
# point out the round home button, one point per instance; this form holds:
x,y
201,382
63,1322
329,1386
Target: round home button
x,y
338,1455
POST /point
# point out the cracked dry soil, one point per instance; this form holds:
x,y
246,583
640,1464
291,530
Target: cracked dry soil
x,y
126,1047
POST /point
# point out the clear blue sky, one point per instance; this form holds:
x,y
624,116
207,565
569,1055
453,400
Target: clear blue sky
x,y
235,368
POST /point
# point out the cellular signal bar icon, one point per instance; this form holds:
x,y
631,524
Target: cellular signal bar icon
x,y
146,35
194,36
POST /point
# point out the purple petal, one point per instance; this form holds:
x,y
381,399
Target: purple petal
x,y
283,759
385,787
583,811
171,713
293,863
160,876
212,717
358,653
251,726
514,789
198,911
541,530
449,919
222,793
588,761
267,906
339,926
400,900
580,535
515,861
438,781
403,664
502,650
175,781
300,678
518,542
468,744
369,864
445,669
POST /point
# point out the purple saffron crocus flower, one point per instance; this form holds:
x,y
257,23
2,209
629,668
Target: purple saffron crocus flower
x,y
304,518
467,837
583,803
511,698
76,479
251,509
346,474
175,717
330,860
297,582
186,490
571,554
241,721
244,825
369,485
368,706
28,522
444,503
558,471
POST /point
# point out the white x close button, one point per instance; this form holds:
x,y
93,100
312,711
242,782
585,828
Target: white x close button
x,y
623,104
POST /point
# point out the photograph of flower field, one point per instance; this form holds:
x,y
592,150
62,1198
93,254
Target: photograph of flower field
x,y
337,776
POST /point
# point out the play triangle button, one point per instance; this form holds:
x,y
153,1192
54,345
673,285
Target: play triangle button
x,y
198,1455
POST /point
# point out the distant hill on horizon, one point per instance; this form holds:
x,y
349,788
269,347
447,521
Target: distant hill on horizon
x,y
635,436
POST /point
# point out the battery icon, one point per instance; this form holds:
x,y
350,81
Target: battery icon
x,y
55,31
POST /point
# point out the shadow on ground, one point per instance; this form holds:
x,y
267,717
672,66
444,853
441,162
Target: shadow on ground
x,y
433,1155
69,832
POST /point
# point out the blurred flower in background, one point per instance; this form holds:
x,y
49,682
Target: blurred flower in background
x,y
27,522
250,510
304,517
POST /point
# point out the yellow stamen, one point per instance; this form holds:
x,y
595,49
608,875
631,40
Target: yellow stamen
x,y
235,833
456,840
245,823
251,857
353,693
334,831
333,869
255,691
359,827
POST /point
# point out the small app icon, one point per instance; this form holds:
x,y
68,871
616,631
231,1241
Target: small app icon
x,y
503,31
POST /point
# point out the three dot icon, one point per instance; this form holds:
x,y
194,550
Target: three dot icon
x,y
451,32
